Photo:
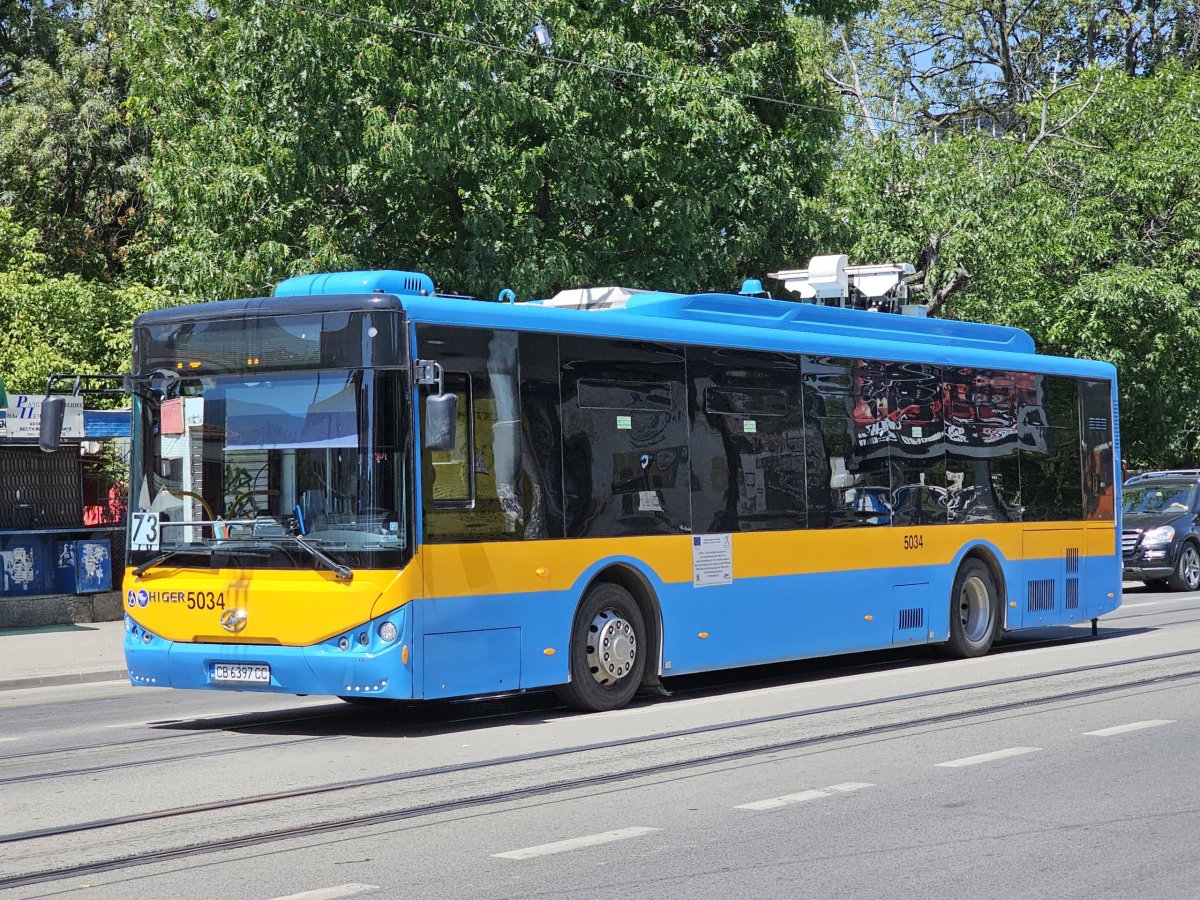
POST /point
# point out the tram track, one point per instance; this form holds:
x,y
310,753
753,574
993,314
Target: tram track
x,y
486,798
432,714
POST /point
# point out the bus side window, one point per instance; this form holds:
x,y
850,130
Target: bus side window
x,y
747,440
488,487
980,407
1051,467
625,438
1095,401
850,483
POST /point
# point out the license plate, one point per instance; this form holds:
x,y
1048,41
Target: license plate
x,y
240,673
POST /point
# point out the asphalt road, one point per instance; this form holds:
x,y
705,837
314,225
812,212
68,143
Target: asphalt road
x,y
1061,765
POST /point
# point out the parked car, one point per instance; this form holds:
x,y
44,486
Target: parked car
x,y
1160,536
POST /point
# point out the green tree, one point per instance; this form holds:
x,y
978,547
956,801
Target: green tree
x,y
1090,240
71,164
289,139
59,323
959,65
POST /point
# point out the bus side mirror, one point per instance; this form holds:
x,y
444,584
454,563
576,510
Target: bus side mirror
x,y
441,421
54,410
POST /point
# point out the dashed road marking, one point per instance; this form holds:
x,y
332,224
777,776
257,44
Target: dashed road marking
x,y
988,757
590,840
788,799
1132,726
332,893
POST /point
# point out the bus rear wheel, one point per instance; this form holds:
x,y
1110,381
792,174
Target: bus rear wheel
x,y
974,611
607,651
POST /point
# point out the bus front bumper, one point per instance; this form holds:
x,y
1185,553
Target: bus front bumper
x,y
357,663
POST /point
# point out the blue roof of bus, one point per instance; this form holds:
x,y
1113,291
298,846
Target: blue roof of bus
x,y
732,320
712,319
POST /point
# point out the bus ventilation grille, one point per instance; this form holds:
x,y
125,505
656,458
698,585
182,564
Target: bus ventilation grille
x,y
1072,560
1072,593
1041,595
912,618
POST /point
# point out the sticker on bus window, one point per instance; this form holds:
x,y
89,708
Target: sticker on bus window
x,y
649,501
712,559
624,423
750,426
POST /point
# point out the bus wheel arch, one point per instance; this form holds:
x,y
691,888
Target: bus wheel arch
x,y
618,599
977,605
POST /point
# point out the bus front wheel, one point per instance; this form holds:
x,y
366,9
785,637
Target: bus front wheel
x,y
974,611
607,652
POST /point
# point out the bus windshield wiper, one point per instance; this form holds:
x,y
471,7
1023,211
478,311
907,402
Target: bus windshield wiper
x,y
167,554
343,573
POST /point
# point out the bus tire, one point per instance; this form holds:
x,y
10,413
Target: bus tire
x,y
607,650
1186,576
974,611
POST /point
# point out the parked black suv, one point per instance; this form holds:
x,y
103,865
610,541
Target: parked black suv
x,y
1160,537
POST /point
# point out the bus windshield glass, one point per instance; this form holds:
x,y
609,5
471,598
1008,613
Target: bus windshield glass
x,y
244,464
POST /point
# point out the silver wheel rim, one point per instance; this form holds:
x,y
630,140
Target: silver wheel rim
x,y
611,647
1191,567
974,609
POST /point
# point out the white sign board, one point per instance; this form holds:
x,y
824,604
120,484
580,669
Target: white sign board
x,y
143,531
712,559
24,418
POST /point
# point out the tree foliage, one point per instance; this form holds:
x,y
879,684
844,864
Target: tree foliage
x,y
288,140
959,65
71,165
1091,240
51,322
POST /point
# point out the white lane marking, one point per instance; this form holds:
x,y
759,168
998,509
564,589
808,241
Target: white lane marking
x,y
332,893
2,740
1132,726
787,799
987,757
129,725
590,840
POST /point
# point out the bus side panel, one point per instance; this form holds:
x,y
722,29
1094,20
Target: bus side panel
x,y
1102,575
777,618
476,645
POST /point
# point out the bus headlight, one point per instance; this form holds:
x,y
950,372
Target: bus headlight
x,y
343,643
1159,537
388,632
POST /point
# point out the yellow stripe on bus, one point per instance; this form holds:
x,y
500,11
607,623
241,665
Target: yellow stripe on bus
x,y
460,570
298,608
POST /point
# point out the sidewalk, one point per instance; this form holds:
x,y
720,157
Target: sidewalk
x,y
62,654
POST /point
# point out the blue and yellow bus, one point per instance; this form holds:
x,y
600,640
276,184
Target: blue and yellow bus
x,y
361,488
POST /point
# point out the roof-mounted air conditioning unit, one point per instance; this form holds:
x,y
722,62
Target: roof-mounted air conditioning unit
x,y
830,282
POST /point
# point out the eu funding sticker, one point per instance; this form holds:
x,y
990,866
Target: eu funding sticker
x,y
712,559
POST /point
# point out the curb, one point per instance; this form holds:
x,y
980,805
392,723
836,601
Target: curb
x,y
36,681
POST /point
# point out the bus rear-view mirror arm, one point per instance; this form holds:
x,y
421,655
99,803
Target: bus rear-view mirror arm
x,y
441,409
54,406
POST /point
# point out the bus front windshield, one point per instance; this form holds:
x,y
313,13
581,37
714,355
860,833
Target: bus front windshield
x,y
243,465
